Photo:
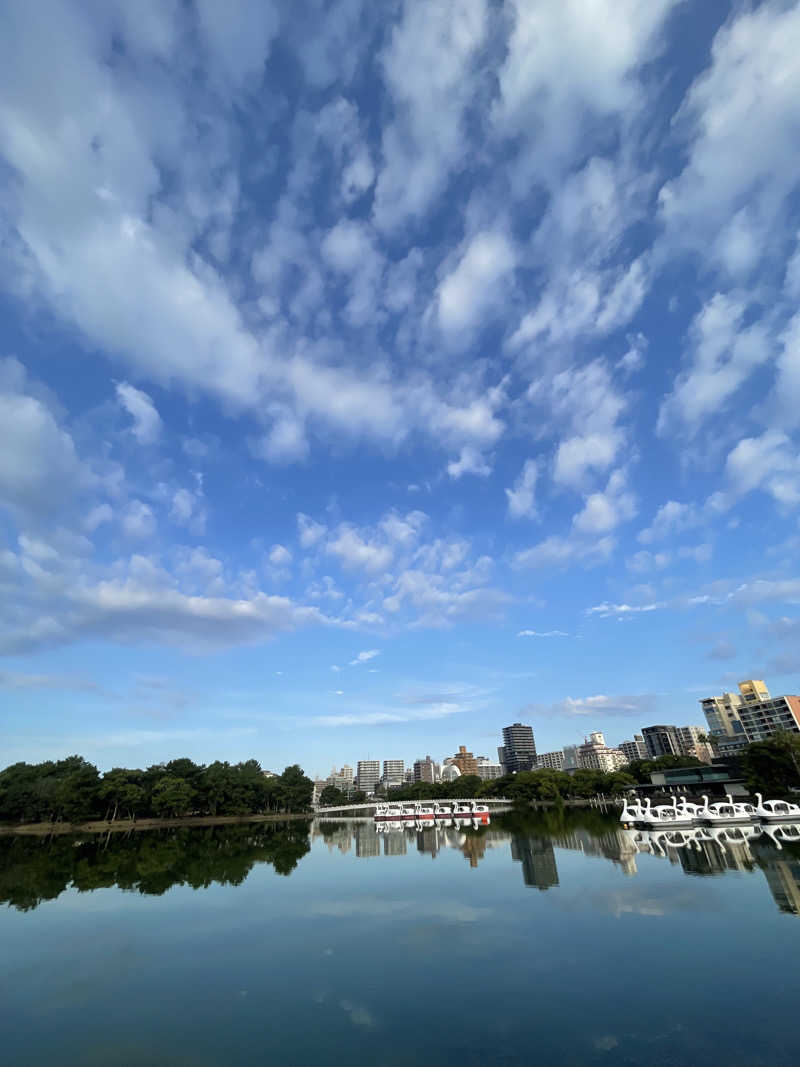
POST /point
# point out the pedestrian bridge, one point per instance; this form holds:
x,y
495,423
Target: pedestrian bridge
x,y
503,802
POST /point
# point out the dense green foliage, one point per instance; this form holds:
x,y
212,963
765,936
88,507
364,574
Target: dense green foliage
x,y
72,790
520,788
772,767
34,869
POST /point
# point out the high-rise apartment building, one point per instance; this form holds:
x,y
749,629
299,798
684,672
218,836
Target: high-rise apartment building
x,y
662,741
520,748
342,779
393,773
693,743
425,770
764,718
738,719
465,761
551,761
633,750
570,758
369,774
501,758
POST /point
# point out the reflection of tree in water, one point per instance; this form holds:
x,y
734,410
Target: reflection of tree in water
x,y
34,869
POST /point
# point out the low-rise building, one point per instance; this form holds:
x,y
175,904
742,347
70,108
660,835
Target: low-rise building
x,y
595,755
488,769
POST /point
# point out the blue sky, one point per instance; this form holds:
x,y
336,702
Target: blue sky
x,y
375,375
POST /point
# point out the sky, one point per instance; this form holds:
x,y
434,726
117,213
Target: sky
x,y
373,376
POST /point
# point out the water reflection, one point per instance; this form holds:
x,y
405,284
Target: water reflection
x,y
36,869
33,870
533,841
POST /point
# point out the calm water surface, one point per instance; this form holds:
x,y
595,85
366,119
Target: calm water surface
x,y
546,940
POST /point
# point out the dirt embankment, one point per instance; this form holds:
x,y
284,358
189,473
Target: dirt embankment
x,y
103,826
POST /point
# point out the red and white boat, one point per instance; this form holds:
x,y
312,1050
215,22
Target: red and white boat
x,y
467,810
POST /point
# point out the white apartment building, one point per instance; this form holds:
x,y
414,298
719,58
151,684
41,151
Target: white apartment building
x,y
551,761
633,750
595,755
488,769
393,773
368,774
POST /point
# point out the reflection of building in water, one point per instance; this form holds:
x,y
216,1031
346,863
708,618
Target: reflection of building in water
x,y
711,859
612,845
538,860
783,879
782,872
340,836
368,843
473,848
394,843
428,841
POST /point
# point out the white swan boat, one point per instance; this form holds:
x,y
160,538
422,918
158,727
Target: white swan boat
x,y
726,812
666,815
776,810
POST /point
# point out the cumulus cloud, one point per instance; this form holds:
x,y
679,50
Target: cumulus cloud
x,y
521,497
146,420
280,556
356,553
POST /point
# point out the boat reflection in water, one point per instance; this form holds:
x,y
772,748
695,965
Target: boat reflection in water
x,y
534,843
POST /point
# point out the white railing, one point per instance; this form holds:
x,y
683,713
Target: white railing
x,y
438,800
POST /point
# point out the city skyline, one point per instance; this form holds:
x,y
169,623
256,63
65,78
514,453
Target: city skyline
x,y
375,378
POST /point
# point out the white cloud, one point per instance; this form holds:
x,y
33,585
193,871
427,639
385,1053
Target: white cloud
x,y
354,552
470,461
637,704
608,610
723,353
521,497
555,551
604,511
41,473
568,64
539,633
468,293
188,509
146,420
740,122
365,657
138,520
429,75
670,519
585,401
309,531
644,562
770,462
279,556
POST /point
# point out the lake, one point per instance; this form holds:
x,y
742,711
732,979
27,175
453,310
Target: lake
x,y
541,939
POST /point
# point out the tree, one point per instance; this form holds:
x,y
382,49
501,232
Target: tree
x,y
772,766
172,797
294,789
331,797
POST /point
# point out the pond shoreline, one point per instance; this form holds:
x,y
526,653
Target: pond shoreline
x,y
102,826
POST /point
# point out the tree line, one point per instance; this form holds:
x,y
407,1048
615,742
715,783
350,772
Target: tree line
x,y
73,790
34,869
